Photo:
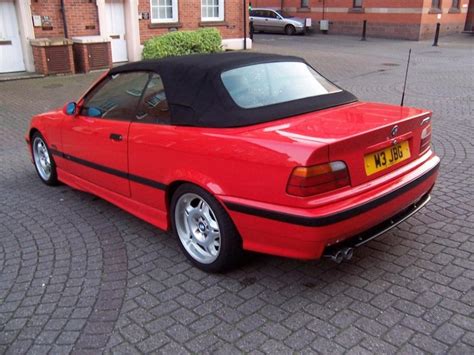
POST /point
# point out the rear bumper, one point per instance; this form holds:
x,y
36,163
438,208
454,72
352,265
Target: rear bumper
x,y
307,233
376,231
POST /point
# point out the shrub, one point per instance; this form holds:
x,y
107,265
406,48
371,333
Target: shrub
x,y
206,40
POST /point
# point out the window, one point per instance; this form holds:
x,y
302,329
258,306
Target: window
x,y
274,83
212,10
153,107
269,14
116,97
436,4
357,3
304,3
455,4
164,11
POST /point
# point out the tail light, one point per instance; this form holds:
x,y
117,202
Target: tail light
x,y
425,139
311,180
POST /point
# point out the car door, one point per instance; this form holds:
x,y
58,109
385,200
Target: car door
x,y
258,20
266,21
254,19
149,149
95,141
275,22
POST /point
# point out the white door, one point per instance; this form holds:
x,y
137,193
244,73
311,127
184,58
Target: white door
x,y
116,29
11,55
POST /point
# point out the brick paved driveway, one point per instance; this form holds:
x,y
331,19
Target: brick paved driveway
x,y
77,273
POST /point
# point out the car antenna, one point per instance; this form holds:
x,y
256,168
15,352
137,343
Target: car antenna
x,y
406,77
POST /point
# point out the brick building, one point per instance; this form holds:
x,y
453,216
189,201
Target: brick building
x,y
126,24
406,19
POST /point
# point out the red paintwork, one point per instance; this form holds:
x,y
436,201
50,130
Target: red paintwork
x,y
248,165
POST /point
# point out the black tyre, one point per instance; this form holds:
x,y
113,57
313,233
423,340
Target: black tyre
x,y
290,30
205,231
43,160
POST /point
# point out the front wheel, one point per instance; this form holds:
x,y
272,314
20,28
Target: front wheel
x,y
206,233
44,162
290,30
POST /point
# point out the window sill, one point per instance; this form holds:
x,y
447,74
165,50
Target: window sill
x,y
165,25
356,10
454,10
213,23
435,11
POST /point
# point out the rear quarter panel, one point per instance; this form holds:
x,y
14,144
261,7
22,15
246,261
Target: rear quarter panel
x,y
228,162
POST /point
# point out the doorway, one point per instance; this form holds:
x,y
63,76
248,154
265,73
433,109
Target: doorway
x,y
115,27
11,53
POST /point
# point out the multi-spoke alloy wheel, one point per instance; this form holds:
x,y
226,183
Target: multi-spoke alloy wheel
x,y
206,232
43,161
198,228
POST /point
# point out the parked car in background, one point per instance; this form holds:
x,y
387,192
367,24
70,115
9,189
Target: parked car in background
x,y
276,21
241,151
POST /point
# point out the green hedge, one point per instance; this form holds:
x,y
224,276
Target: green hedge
x,y
206,40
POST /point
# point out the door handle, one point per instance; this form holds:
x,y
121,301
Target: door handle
x,y
116,137
115,36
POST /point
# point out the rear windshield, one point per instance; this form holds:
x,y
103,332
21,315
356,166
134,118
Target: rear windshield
x,y
274,83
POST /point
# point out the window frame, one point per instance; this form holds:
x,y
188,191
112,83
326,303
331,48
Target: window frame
x,y
220,18
98,86
438,6
311,69
174,12
141,101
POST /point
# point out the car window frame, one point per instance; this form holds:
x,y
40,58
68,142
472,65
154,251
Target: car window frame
x,y
340,89
135,118
100,82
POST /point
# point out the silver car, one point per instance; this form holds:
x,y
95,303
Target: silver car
x,y
276,21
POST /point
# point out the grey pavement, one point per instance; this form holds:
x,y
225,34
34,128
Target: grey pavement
x,y
78,274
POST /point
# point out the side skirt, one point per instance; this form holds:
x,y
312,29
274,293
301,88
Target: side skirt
x,y
151,215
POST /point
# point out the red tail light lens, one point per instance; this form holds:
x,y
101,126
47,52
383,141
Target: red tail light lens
x,y
312,180
425,139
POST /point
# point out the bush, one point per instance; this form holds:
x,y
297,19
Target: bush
x,y
206,40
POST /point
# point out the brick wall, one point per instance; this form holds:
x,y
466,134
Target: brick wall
x,y
189,18
52,9
452,20
81,18
407,19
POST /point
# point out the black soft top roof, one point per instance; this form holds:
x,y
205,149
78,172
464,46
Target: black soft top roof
x,y
197,97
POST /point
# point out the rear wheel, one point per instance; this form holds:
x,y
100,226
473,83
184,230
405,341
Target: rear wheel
x,y
44,162
206,233
290,30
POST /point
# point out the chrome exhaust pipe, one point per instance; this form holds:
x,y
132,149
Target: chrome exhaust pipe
x,y
340,255
337,257
348,253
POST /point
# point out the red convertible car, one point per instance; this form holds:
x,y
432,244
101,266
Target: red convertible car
x,y
241,151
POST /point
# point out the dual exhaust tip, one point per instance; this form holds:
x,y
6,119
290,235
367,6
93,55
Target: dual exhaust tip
x,y
342,254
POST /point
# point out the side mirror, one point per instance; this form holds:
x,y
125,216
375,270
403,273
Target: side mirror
x,y
70,109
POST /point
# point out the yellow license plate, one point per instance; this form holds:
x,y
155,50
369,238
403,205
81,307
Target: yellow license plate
x,y
383,159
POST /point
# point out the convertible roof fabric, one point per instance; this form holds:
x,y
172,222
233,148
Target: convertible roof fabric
x,y
197,97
